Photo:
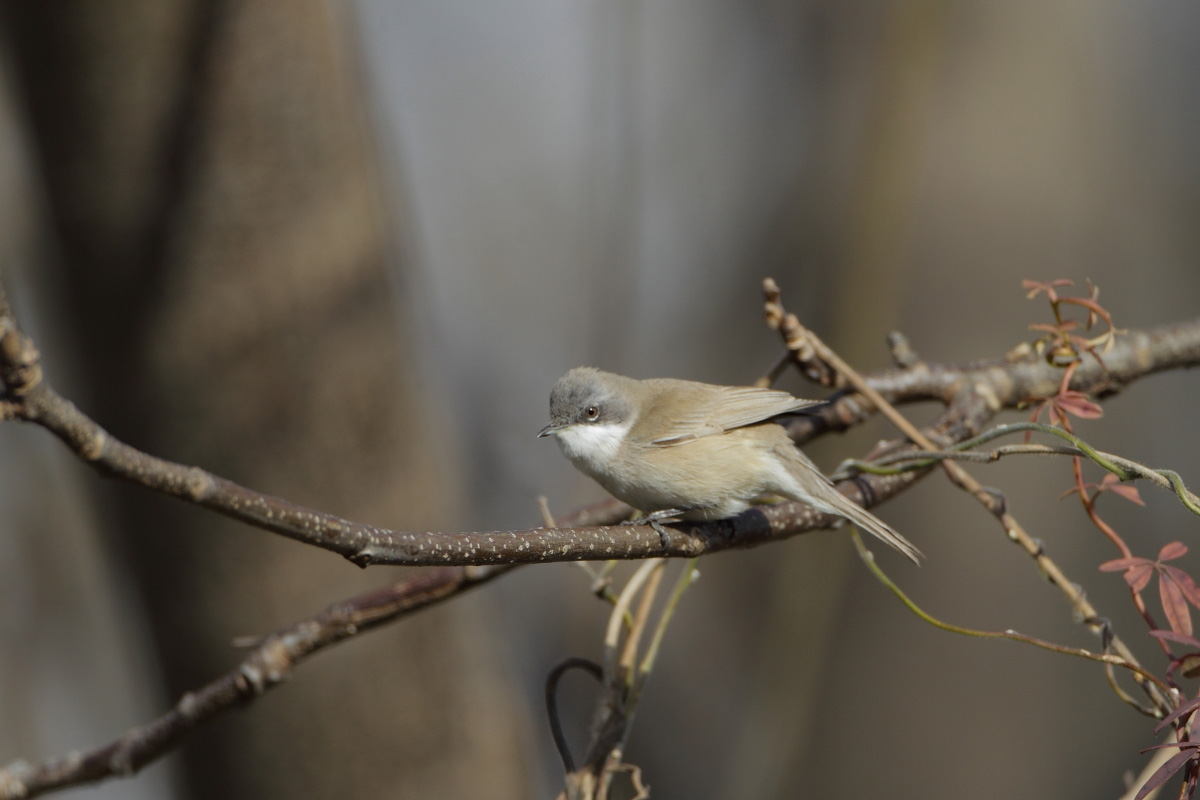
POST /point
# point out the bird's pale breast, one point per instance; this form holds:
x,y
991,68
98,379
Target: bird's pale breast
x,y
717,476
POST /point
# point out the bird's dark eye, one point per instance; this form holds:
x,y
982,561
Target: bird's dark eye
x,y
592,413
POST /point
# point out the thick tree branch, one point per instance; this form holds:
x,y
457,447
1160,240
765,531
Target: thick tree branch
x,y
1011,384
974,393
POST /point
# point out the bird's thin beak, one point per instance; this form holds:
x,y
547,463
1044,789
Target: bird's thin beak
x,y
549,430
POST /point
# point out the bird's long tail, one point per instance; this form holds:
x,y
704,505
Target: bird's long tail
x,y
812,487
841,505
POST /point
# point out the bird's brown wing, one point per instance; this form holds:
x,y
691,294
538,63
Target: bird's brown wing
x,y
719,409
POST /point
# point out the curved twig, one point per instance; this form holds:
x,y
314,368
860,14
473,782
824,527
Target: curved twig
x,y
560,741
1124,468
868,558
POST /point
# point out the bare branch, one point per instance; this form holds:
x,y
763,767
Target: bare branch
x,y
974,393
998,383
367,544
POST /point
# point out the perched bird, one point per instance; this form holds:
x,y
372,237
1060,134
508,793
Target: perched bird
x,y
677,449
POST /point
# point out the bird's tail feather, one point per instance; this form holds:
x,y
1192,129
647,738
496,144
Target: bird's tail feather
x,y
812,487
844,507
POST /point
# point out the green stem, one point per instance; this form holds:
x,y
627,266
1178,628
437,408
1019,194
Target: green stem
x,y
868,558
1123,468
686,579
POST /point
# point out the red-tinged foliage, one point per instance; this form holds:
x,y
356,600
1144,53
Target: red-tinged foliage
x,y
1138,577
1077,404
1176,589
1178,638
1062,327
1174,605
1111,483
1057,344
1062,344
1094,309
1185,583
1066,403
1187,664
1172,550
1188,753
1037,287
1118,564
1182,711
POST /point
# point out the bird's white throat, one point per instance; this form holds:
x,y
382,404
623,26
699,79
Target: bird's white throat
x,y
592,445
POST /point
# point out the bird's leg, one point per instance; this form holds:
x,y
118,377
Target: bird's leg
x,y
655,519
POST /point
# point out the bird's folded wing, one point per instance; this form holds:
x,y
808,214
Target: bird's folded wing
x,y
727,408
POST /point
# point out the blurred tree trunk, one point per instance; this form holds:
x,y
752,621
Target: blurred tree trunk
x,y
217,206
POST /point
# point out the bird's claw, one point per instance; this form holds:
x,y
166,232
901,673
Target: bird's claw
x,y
655,520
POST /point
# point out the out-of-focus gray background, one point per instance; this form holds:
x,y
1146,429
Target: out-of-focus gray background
x,y
340,251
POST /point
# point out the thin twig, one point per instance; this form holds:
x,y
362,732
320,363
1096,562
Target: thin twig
x,y
1124,468
612,636
868,558
633,635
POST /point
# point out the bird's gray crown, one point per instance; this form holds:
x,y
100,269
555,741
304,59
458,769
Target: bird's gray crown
x,y
585,388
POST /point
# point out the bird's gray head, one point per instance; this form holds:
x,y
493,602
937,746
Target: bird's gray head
x,y
588,396
590,412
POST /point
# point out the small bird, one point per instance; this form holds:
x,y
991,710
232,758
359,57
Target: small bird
x,y
677,449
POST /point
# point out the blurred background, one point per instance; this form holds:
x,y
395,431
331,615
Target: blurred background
x,y
339,252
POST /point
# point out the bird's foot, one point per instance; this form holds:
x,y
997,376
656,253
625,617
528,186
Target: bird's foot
x,y
655,519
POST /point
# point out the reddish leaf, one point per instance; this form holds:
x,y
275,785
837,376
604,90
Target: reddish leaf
x,y
1116,565
1061,327
1130,493
1094,309
1171,551
1188,665
1188,707
1078,404
1164,773
1112,483
1175,606
1138,577
1185,583
1188,745
1080,342
1048,287
1179,638
1064,385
